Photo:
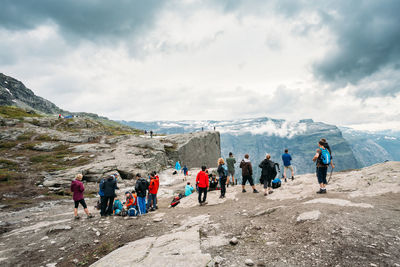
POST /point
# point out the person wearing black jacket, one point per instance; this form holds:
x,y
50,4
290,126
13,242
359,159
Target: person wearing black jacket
x,y
109,186
267,174
141,187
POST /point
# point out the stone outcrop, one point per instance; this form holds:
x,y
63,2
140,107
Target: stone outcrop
x,y
135,154
195,149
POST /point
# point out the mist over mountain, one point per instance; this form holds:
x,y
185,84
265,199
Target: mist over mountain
x,y
265,135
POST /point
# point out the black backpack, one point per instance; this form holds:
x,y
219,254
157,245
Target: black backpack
x,y
272,169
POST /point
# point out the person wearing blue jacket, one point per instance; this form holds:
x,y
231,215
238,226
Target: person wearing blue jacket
x,y
287,158
188,189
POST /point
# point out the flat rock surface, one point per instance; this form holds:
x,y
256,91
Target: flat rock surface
x,y
356,226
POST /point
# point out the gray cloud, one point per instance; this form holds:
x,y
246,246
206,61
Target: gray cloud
x,y
368,39
93,19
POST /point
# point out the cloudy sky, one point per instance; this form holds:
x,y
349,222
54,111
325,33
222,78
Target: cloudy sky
x,y
332,61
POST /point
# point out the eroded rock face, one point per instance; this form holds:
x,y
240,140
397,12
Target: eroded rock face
x,y
195,149
134,154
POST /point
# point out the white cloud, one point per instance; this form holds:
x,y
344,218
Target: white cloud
x,y
198,62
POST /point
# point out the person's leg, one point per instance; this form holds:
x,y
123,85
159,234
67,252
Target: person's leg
x,y
223,187
244,179
284,171
155,202
103,206
265,186
110,206
320,181
324,182
205,194
199,189
292,171
76,203
252,184
148,201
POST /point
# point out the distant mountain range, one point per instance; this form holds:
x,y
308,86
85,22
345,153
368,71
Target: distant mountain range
x,y
351,149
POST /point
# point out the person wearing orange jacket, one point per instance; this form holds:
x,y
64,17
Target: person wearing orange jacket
x,y
153,189
158,185
202,183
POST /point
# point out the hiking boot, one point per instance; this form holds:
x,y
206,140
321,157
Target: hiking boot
x,y
205,203
265,194
270,192
90,216
227,185
323,191
255,191
285,180
77,217
244,191
320,191
292,178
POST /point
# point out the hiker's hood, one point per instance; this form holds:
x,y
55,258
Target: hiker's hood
x,y
246,160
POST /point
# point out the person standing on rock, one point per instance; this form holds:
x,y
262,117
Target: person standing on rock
x,y
141,187
109,186
247,172
152,196
223,175
230,162
202,184
325,144
322,167
77,189
268,173
185,172
287,158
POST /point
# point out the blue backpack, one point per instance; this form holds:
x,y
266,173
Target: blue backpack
x,y
132,212
276,183
225,169
325,156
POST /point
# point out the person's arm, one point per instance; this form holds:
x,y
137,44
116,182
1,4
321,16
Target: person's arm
x,y
241,164
103,185
81,187
207,182
197,178
250,169
316,156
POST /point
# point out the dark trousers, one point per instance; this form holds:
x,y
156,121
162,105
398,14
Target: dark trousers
x,y
107,205
222,182
151,198
202,190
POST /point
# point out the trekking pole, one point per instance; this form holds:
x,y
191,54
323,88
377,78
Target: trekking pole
x,y
330,176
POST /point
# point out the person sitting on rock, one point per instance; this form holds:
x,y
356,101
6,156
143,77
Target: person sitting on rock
x,y
141,187
247,173
117,207
203,185
188,189
77,189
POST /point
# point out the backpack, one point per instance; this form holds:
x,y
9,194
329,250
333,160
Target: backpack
x,y
225,170
175,201
132,212
272,169
325,156
276,183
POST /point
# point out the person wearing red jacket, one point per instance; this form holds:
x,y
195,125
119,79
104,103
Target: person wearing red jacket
x,y
153,189
202,184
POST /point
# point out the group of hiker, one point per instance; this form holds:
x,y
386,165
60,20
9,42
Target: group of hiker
x,y
135,202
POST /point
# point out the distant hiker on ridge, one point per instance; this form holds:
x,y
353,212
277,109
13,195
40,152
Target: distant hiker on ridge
x,y
223,174
323,159
230,162
247,172
286,158
202,185
151,134
77,189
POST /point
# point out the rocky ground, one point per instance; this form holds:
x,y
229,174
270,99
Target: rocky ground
x,y
357,223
